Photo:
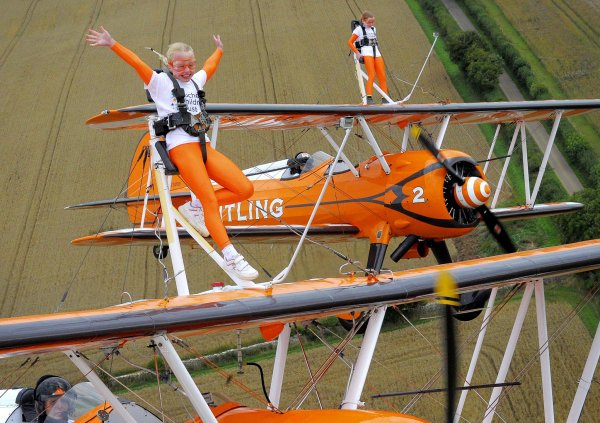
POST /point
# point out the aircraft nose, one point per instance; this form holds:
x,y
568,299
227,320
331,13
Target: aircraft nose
x,y
473,193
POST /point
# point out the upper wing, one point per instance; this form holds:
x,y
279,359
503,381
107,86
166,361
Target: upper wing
x,y
288,302
292,116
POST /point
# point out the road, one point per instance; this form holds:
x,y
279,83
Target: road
x,y
562,169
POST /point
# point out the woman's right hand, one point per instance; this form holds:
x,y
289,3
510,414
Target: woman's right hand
x,y
99,38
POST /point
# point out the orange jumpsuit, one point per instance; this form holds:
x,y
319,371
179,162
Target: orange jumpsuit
x,y
192,169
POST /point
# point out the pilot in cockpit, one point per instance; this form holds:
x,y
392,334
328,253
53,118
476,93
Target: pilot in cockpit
x,y
51,403
297,163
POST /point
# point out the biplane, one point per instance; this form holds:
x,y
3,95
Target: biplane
x,y
274,305
426,197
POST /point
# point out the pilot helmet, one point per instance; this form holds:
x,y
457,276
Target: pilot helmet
x,y
49,387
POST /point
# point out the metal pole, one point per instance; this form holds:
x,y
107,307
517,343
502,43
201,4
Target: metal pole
x,y
283,274
331,141
440,138
586,379
476,351
487,162
525,166
365,356
283,343
508,354
102,389
374,145
542,169
540,308
170,225
183,376
405,138
506,162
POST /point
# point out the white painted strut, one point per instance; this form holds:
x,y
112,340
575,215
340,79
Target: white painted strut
x,y
365,356
183,376
508,354
586,379
102,389
283,342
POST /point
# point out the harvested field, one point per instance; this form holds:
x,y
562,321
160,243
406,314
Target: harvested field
x,y
52,82
564,35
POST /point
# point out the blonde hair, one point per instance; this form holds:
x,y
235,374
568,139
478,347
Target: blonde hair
x,y
366,15
178,48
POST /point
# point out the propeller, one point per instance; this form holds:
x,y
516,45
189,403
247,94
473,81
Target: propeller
x,y
447,294
463,198
470,192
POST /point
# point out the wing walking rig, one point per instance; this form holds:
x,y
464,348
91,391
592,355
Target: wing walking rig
x,y
274,305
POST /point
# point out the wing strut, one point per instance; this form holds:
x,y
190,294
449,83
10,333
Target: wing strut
x,y
91,375
373,144
333,144
183,376
283,274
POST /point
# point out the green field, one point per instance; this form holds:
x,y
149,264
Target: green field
x,y
53,82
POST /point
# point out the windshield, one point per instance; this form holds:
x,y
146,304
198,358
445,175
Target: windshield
x,y
77,401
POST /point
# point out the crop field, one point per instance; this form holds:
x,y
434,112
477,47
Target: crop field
x,y
275,52
564,35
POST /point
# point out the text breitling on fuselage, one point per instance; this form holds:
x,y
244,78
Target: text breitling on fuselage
x,y
252,210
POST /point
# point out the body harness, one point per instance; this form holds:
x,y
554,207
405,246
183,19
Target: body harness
x,y
365,41
195,125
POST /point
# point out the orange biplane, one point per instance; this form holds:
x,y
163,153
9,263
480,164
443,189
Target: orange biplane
x,y
423,196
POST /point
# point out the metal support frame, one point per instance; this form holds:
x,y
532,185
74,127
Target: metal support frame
x,y
491,151
169,221
525,165
332,142
506,162
586,379
183,376
405,136
365,356
102,389
544,351
508,354
546,157
442,134
283,274
170,216
373,143
476,351
283,343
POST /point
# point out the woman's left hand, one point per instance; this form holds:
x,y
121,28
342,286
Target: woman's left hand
x,y
218,42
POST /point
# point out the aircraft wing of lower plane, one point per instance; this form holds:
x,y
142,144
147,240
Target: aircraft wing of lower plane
x,y
294,116
286,302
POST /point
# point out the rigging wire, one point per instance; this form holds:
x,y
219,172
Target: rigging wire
x,y
229,377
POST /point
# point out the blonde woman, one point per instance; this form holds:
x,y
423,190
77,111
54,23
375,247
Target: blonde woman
x,y
196,160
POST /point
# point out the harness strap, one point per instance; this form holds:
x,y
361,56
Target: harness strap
x,y
183,118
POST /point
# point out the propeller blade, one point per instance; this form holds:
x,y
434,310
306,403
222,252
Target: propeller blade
x,y
447,293
422,135
496,229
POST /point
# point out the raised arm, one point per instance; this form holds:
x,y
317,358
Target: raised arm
x,y
210,66
102,38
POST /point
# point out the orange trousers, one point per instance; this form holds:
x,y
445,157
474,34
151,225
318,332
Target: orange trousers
x,y
197,175
375,65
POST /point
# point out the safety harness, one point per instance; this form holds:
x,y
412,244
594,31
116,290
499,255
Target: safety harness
x,y
365,41
195,125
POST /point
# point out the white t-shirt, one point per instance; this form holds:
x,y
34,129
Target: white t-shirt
x,y
371,35
161,90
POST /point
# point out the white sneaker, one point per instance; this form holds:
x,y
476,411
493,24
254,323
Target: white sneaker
x,y
195,216
241,268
